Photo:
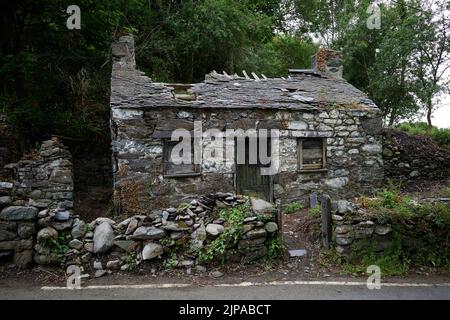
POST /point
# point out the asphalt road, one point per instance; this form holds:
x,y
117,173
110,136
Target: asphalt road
x,y
247,292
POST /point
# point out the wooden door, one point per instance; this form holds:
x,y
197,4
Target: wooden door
x,y
249,180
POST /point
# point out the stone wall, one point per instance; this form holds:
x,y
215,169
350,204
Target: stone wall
x,y
40,194
176,236
354,232
412,157
353,153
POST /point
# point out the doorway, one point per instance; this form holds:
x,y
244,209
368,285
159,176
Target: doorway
x,y
249,180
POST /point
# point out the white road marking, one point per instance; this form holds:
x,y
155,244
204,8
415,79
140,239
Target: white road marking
x,y
250,284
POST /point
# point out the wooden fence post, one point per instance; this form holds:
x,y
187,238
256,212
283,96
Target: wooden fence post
x,y
279,217
326,221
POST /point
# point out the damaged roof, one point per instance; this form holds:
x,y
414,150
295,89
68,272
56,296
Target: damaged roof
x,y
304,89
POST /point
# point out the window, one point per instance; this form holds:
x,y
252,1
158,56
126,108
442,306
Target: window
x,y
311,154
178,170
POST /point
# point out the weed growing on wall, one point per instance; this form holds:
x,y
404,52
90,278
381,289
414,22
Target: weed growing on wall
x,y
234,218
275,247
420,234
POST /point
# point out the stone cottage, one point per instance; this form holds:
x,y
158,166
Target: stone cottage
x,y
330,133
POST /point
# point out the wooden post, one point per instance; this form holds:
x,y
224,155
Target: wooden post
x,y
326,221
279,217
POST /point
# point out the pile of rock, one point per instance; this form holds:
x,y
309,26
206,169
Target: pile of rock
x,y
353,232
111,245
146,237
408,157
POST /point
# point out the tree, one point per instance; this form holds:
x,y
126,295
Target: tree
x,y
328,20
432,56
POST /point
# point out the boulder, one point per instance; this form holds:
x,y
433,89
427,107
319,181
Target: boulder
x,y
26,230
261,207
113,265
132,226
382,230
198,236
256,233
78,229
126,245
62,225
344,206
214,229
151,250
46,234
271,227
172,226
76,244
148,233
18,213
103,238
62,216
5,200
102,219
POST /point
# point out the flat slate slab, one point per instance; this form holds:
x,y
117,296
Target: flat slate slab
x,y
297,253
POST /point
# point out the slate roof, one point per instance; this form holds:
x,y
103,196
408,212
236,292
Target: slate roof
x,y
304,90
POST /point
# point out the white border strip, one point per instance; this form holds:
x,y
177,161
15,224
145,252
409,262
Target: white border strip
x,y
250,284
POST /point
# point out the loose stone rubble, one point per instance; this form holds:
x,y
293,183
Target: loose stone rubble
x,y
413,157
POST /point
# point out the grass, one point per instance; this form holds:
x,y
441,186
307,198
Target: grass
x,y
420,236
441,136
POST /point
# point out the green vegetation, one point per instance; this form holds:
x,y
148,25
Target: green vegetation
x,y
170,262
293,207
392,262
446,192
420,236
276,247
315,212
131,261
234,218
441,136
58,247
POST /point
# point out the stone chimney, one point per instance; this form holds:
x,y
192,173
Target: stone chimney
x,y
329,63
123,52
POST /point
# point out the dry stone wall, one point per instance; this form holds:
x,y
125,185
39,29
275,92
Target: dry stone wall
x,y
414,157
354,232
39,195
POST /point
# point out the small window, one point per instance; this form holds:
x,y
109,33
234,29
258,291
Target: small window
x,y
178,170
311,154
